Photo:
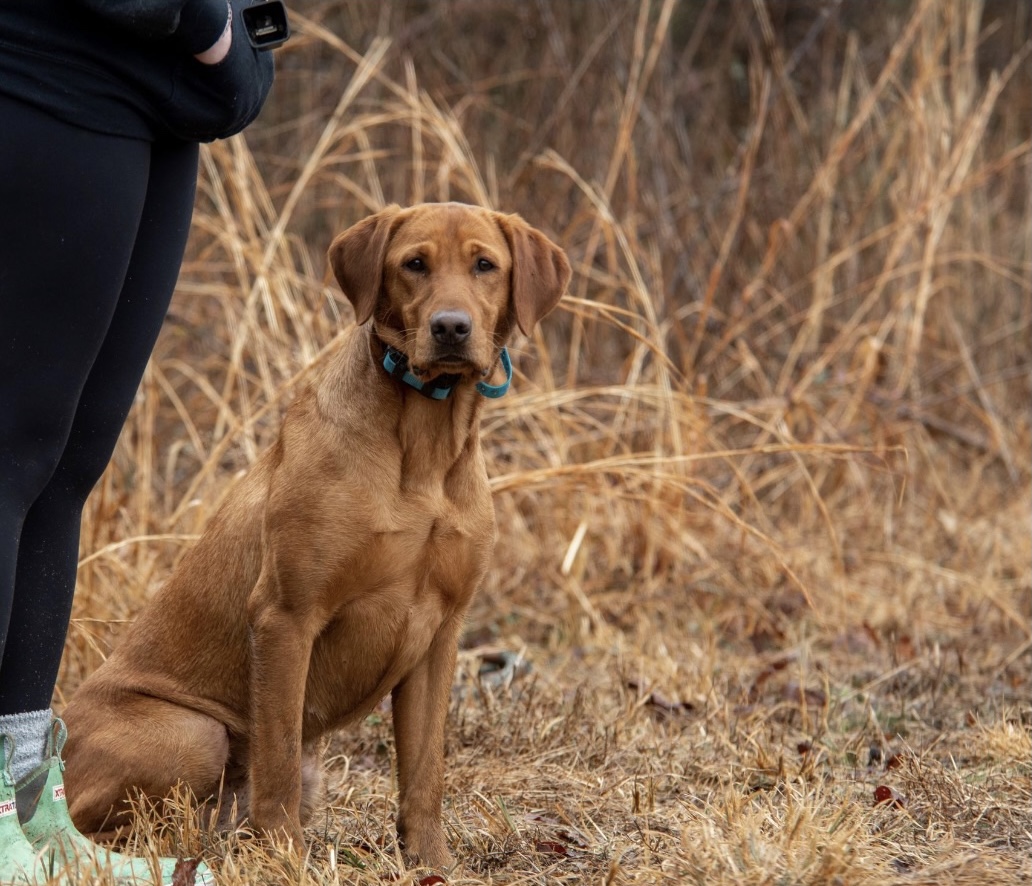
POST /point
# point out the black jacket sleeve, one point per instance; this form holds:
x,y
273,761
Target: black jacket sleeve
x,y
195,25
209,101
216,101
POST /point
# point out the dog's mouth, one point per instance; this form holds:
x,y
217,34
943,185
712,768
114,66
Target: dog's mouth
x,y
447,364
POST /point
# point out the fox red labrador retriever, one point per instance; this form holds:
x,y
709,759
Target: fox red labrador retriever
x,y
340,567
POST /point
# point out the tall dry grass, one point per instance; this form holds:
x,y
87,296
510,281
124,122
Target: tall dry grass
x,y
763,485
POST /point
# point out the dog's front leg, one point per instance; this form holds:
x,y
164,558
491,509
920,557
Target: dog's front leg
x,y
420,704
281,649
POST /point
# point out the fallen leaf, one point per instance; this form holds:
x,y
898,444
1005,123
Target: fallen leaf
x,y
550,847
884,794
895,760
905,649
185,872
500,668
432,880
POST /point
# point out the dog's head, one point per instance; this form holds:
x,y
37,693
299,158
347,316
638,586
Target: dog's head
x,y
444,283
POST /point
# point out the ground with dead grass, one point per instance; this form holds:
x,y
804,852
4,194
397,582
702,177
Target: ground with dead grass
x,y
761,604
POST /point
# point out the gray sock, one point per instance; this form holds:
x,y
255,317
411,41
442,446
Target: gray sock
x,y
29,732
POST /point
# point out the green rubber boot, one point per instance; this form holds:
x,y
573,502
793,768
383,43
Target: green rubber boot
x,y
20,864
46,824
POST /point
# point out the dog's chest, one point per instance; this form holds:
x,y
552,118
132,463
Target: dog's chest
x,y
417,565
432,548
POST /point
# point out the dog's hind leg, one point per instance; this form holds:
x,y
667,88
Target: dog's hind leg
x,y
118,748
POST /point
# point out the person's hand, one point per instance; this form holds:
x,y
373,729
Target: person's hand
x,y
220,48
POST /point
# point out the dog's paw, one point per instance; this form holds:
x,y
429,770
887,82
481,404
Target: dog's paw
x,y
284,835
426,848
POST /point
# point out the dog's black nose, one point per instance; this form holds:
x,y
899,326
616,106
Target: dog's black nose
x,y
450,327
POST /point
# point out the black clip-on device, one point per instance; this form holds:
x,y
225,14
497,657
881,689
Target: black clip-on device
x,y
266,24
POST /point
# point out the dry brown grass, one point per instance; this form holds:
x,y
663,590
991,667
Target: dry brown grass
x,y
763,485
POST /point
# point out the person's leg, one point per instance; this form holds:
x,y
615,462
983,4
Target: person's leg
x,y
48,551
70,206
75,336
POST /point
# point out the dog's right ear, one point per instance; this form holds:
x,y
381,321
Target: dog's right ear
x,y
356,257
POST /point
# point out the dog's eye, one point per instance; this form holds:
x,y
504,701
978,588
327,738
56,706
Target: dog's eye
x,y
416,264
484,264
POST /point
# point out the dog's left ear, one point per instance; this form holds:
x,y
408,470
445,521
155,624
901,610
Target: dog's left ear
x,y
540,271
356,257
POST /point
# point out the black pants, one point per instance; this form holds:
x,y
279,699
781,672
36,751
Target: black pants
x,y
92,233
